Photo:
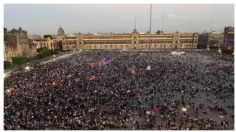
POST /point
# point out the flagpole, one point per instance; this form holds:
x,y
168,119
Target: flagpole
x,y
150,27
150,30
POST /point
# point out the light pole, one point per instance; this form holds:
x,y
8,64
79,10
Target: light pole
x,y
150,27
150,30
208,48
219,50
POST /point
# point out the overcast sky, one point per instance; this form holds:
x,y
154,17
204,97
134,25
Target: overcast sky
x,y
46,19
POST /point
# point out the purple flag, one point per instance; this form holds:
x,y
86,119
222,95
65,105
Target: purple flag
x,y
103,62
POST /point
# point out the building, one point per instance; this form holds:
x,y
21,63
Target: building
x,y
32,47
133,40
228,41
15,43
215,39
60,31
34,37
43,42
10,45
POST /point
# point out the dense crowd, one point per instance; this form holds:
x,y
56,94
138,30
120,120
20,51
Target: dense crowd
x,y
115,90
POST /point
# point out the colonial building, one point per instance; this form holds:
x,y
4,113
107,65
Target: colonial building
x,y
215,39
133,40
16,43
228,38
43,42
61,31
32,47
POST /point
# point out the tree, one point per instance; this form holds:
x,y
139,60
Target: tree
x,y
44,52
19,60
227,51
159,32
7,64
46,36
203,40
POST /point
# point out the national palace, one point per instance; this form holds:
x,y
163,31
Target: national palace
x,y
133,40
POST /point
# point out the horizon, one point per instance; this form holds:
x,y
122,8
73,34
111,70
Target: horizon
x,y
101,33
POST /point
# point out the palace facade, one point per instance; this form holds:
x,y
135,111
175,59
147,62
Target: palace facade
x,y
133,40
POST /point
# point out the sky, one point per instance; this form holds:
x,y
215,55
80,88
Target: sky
x,y
117,18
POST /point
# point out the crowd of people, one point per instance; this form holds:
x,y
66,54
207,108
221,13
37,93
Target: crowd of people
x,y
114,90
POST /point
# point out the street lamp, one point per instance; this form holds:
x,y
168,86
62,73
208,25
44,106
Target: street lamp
x,y
219,50
208,48
184,109
27,68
